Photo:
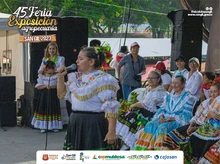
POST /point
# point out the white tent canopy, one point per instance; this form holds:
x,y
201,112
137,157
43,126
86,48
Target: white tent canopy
x,y
4,22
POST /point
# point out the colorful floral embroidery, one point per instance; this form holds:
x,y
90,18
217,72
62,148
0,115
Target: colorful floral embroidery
x,y
112,98
81,83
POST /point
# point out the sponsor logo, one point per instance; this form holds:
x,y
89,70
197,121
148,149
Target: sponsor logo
x,y
139,157
69,157
94,157
53,157
45,157
156,157
111,157
83,157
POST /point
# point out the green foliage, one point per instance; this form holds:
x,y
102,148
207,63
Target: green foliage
x,y
107,16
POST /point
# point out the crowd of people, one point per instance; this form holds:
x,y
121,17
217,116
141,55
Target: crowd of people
x,y
178,108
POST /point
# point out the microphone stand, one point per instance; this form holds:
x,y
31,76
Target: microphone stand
x,y
47,110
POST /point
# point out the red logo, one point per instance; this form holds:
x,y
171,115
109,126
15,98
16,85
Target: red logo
x,y
45,157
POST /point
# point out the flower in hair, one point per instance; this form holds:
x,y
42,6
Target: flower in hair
x,y
106,49
45,62
216,80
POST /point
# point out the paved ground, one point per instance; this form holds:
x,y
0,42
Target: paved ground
x,y
18,145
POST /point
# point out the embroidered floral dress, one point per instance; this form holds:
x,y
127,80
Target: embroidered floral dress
x,y
130,122
174,138
47,113
93,99
177,106
205,136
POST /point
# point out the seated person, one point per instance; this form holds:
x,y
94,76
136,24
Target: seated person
x,y
165,75
149,101
175,112
208,78
204,137
212,156
174,138
180,62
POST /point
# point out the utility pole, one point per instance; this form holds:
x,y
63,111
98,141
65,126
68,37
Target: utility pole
x,y
129,14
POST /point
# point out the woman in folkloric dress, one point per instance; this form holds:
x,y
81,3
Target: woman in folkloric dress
x,y
148,102
52,54
205,136
92,94
212,156
47,115
176,111
182,135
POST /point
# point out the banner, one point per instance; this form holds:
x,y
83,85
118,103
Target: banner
x,y
38,38
109,157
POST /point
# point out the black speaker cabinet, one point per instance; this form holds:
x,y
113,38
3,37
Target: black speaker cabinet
x,y
7,88
74,36
29,107
29,90
186,36
8,113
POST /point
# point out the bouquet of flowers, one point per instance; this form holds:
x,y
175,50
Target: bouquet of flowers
x,y
125,104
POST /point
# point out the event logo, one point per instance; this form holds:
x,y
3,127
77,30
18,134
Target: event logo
x,y
45,157
33,19
156,157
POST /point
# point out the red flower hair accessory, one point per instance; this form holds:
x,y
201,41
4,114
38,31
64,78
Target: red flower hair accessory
x,y
216,80
106,49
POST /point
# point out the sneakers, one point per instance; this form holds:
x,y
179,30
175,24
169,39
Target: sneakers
x,y
42,131
55,131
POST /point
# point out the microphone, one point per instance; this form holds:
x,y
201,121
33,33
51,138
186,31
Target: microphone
x,y
72,67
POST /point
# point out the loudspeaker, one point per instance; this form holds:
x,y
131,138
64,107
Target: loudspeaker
x,y
30,104
74,36
186,36
7,88
29,90
8,113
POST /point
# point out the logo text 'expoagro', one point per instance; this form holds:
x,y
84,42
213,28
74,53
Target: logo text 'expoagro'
x,y
33,19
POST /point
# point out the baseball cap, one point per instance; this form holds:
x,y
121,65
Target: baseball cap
x,y
181,57
160,66
135,44
194,59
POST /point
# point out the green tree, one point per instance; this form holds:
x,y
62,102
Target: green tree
x,y
107,16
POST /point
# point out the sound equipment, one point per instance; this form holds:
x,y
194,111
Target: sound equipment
x,y
29,107
186,36
29,90
74,36
7,88
8,113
